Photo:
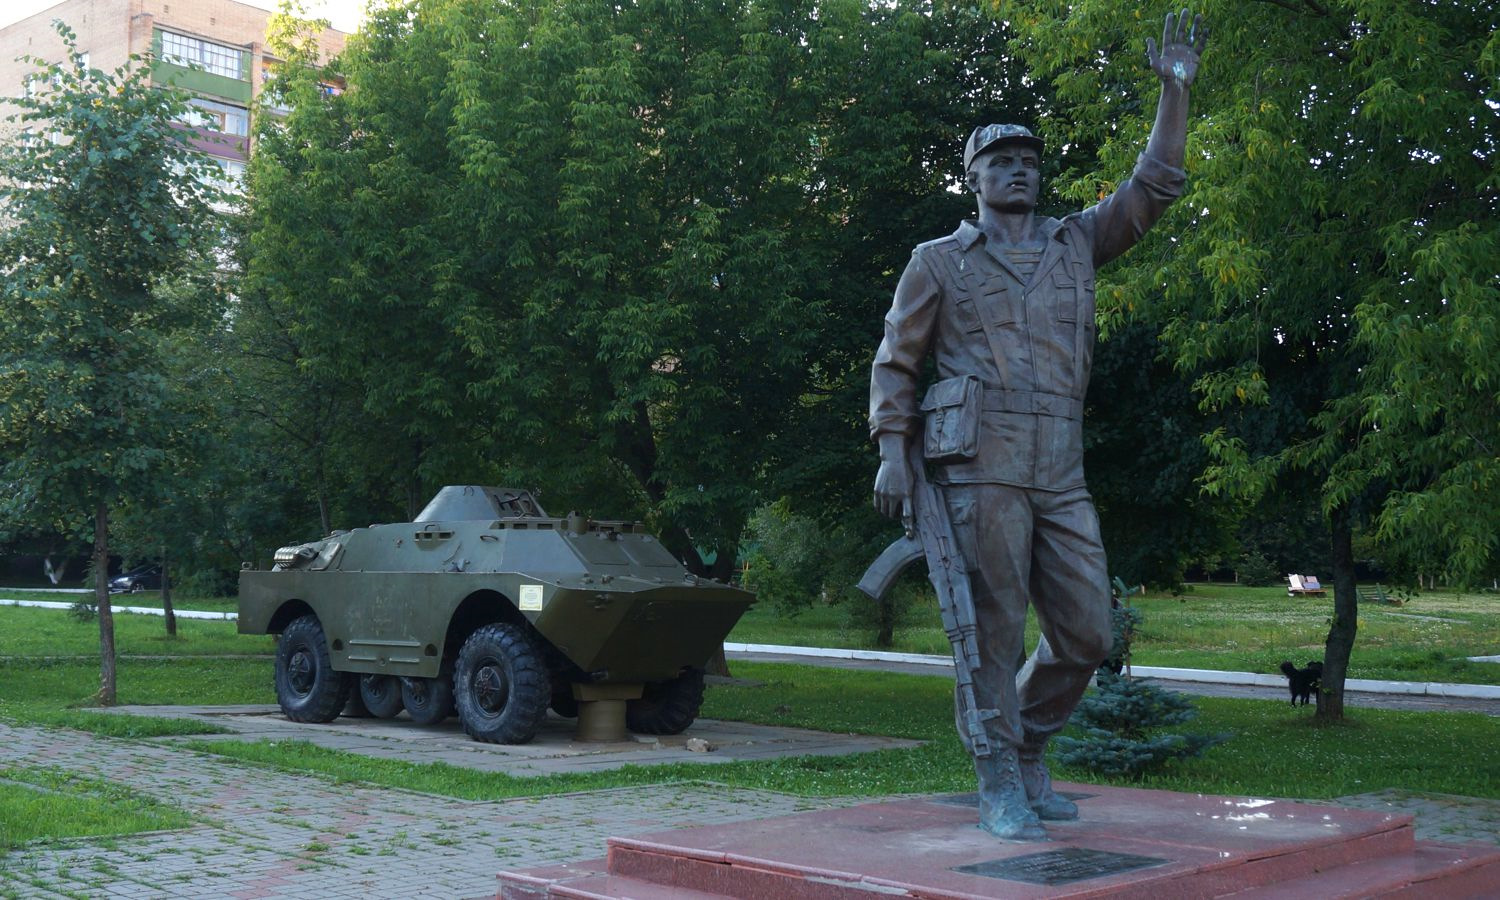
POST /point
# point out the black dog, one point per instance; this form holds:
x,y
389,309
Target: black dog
x,y
1302,682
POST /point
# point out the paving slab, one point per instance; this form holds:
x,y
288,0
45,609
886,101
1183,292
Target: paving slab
x,y
264,833
553,751
271,834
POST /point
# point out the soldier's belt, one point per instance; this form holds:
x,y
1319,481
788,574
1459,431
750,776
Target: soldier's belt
x,y
1038,403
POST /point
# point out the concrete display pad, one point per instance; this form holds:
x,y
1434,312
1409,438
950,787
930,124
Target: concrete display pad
x,y
553,751
1128,843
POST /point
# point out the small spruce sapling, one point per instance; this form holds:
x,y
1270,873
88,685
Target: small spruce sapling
x,y
1123,719
1123,619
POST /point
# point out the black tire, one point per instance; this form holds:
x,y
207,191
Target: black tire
x,y
307,687
137,587
355,708
501,686
427,700
381,695
666,707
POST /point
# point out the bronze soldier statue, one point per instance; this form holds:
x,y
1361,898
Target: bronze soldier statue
x,y
1005,308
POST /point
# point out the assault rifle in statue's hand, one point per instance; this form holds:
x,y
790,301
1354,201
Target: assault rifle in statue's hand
x,y
929,533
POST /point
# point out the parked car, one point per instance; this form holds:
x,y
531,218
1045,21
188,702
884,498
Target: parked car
x,y
141,578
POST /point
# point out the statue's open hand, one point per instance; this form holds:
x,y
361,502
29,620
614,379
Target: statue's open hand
x,y
893,486
1181,46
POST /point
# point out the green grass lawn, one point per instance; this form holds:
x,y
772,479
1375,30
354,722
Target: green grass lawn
x,y
49,672
1276,751
28,631
151,599
1222,627
49,804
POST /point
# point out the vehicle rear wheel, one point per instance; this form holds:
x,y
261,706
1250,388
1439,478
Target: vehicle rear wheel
x,y
427,700
355,708
666,707
307,687
381,695
501,686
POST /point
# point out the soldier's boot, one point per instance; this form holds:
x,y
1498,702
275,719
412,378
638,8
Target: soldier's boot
x,y
1003,808
1045,802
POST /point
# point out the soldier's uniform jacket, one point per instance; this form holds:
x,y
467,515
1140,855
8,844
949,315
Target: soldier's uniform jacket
x,y
1030,344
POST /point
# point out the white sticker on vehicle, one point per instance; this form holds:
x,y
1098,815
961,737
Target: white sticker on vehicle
x,y
531,597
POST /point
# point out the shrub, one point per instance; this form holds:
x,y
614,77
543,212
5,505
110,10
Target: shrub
x,y
1123,719
1122,722
83,609
1255,570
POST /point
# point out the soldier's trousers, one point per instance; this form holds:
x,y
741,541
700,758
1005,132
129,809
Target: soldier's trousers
x,y
1043,548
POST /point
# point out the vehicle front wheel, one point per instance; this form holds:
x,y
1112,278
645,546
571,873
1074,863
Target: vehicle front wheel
x,y
666,707
427,700
307,687
501,686
381,695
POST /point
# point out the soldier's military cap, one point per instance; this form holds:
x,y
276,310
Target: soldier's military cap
x,y
986,136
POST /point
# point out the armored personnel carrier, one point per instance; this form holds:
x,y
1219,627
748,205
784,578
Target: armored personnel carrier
x,y
487,606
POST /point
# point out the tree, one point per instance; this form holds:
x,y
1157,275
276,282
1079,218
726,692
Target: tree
x,y
635,253
105,206
1143,456
1330,271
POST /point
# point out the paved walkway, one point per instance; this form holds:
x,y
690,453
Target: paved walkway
x,y
270,834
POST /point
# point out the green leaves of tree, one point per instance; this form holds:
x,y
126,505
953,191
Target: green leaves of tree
x,y
106,205
1329,277
635,254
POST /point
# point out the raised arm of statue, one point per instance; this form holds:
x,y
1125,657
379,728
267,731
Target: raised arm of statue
x,y
1176,65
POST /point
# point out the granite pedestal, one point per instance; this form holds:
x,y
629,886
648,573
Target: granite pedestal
x,y
1127,843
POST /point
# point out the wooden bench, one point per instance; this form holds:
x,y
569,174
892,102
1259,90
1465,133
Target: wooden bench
x,y
1298,586
1377,594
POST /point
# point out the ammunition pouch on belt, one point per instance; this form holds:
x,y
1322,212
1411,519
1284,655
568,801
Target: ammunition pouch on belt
x,y
951,429
954,407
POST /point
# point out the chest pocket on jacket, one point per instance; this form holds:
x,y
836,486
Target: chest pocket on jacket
x,y
997,303
965,314
1065,293
1075,296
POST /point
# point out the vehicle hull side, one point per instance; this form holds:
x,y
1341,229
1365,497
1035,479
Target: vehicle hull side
x,y
631,630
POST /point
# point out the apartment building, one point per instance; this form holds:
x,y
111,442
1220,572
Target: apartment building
x,y
214,49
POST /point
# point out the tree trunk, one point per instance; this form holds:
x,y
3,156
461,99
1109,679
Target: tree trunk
x,y
721,569
106,694
323,511
885,611
166,595
415,499
1340,643
57,573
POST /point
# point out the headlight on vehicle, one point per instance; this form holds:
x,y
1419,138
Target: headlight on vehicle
x,y
288,556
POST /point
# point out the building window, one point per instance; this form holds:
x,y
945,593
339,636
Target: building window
x,y
234,174
225,118
182,50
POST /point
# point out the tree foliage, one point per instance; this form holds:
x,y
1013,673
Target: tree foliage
x,y
1329,275
636,254
107,217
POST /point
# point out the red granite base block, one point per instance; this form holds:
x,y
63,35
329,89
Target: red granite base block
x,y
1170,845
1432,871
